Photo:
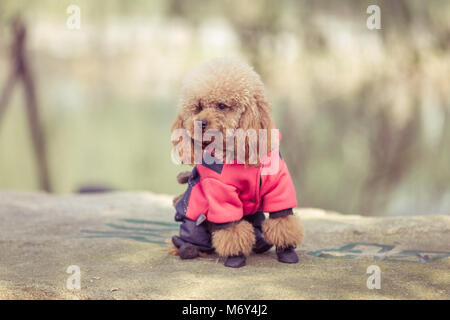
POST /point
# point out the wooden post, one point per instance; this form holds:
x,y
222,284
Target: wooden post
x,y
22,71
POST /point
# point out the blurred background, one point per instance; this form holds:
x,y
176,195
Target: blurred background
x,y
365,114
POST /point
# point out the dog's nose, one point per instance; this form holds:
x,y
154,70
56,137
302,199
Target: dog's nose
x,y
204,123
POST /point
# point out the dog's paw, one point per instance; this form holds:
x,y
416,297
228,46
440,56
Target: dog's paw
x,y
287,255
235,261
283,231
234,240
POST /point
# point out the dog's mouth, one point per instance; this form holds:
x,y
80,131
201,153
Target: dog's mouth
x,y
204,139
207,143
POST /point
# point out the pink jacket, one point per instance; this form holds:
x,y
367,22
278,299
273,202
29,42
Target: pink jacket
x,y
224,193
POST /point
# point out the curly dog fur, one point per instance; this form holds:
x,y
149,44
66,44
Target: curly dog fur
x,y
183,177
229,94
173,251
283,231
230,83
239,238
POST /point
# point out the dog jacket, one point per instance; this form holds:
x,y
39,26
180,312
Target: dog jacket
x,y
225,193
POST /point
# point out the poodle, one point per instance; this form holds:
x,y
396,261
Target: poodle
x,y
236,177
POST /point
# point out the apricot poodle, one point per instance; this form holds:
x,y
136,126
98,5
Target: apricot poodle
x,y
223,207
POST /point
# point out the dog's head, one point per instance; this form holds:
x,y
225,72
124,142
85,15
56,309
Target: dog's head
x,y
221,95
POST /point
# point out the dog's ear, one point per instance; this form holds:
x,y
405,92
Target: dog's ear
x,y
177,124
264,110
257,116
183,144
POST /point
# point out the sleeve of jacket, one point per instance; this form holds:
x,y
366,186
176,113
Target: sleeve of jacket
x,y
278,192
223,200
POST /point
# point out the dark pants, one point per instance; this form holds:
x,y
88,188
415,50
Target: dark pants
x,y
200,235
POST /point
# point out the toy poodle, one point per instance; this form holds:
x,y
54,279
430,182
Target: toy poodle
x,y
236,179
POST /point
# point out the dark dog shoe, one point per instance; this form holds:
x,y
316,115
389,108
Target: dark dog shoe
x,y
177,241
261,246
287,255
188,251
235,261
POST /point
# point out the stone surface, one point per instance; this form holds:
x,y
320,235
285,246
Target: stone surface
x,y
118,242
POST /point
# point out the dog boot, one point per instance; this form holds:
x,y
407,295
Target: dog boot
x,y
287,255
235,261
186,250
261,246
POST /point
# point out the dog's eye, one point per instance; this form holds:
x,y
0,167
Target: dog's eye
x,y
199,107
222,106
